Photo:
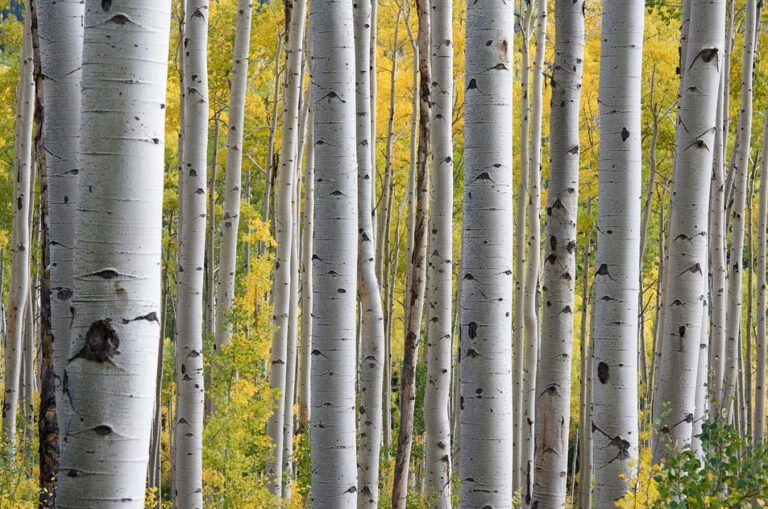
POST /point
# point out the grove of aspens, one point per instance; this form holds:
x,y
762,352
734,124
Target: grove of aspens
x,y
331,254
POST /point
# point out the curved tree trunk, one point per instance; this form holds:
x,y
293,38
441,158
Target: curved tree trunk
x,y
553,383
225,291
334,468
614,418
110,373
20,239
188,452
304,398
486,294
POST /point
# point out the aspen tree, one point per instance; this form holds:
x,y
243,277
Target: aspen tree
x,y
334,285
225,290
437,442
614,416
110,373
758,429
485,464
553,384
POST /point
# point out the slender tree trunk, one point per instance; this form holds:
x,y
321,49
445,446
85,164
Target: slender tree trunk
x,y
291,354
372,318
740,162
486,297
188,455
334,469
210,238
553,383
414,303
231,215
20,239
437,423
614,421
281,292
685,294
110,374
701,397
758,429
585,392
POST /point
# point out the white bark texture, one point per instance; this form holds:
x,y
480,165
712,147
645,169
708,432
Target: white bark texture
x,y
188,453
553,383
304,398
685,294
110,373
225,291
60,31
372,319
486,296
740,164
437,420
701,407
614,417
20,238
281,292
758,429
334,279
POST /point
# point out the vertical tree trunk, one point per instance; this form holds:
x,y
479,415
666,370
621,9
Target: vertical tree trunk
x,y
614,420
685,294
758,429
553,383
585,391
414,297
188,455
210,238
225,290
110,373
20,239
740,161
334,469
701,397
291,355
486,297
372,330
437,423
281,292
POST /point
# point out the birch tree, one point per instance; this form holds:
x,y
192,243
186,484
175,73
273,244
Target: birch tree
x,y
372,319
437,422
231,215
284,223
553,383
614,416
758,429
334,270
110,373
188,487
485,463
20,238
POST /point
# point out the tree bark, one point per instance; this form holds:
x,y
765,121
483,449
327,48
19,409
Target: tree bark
x,y
110,372
553,383
758,429
486,298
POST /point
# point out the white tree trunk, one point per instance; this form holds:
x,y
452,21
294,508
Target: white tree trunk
x,y
685,294
553,383
372,333
740,164
281,292
486,296
20,239
60,32
758,430
225,290
437,422
533,270
110,374
304,397
701,407
188,453
334,466
614,418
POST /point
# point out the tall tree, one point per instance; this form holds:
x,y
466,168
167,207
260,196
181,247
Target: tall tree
x,y
437,422
225,290
614,416
372,320
417,269
553,383
20,238
284,225
485,463
110,373
334,270
188,452
758,429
